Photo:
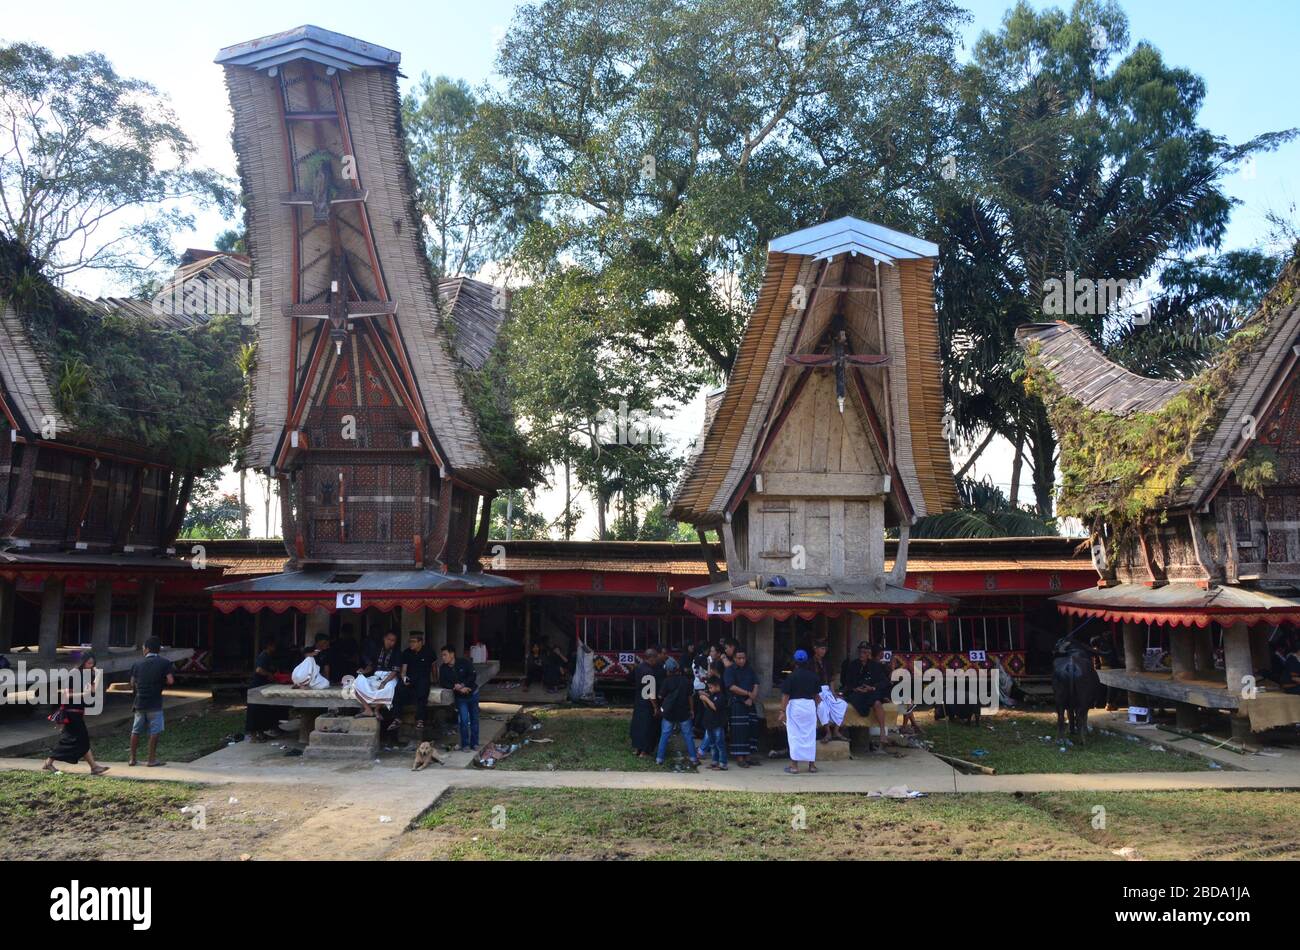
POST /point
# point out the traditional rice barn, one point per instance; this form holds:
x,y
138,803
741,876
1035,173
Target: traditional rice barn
x,y
360,411
828,434
1191,490
111,409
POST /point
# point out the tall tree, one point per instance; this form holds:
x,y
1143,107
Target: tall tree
x,y
1073,154
663,143
468,196
95,172
669,140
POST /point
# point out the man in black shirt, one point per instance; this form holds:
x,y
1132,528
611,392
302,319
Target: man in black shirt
x,y
417,677
148,677
677,708
259,719
458,675
800,695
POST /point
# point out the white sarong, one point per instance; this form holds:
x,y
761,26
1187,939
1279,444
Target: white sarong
x,y
367,689
831,708
307,675
801,729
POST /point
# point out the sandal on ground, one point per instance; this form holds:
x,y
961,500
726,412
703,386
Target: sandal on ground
x,y
155,764
790,769
48,767
99,770
812,768
715,767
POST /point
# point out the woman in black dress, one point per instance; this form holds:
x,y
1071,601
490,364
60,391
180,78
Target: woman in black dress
x,y
74,739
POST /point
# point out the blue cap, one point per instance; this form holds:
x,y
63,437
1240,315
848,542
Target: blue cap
x,y
801,656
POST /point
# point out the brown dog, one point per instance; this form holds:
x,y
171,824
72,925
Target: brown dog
x,y
424,754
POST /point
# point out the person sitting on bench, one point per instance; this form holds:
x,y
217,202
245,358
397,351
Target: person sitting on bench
x,y
830,708
308,674
866,684
376,682
458,675
417,678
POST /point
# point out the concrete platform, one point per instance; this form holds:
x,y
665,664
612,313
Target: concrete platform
x,y
118,660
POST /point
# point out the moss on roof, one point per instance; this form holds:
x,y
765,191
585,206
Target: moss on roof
x,y
116,376
1124,469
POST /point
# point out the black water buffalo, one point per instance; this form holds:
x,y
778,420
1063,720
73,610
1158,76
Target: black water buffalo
x,y
1075,684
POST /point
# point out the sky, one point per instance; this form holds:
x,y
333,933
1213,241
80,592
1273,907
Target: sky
x,y
1245,52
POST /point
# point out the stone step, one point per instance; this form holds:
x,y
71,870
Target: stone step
x,y
361,742
347,725
833,752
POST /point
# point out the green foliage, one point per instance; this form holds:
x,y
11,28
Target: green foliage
x,y
171,391
1257,469
514,509
465,190
84,145
1074,151
232,241
668,142
985,512
1121,469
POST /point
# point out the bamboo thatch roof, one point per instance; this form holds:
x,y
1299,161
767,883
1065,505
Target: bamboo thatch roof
x,y
51,339
879,264
477,311
312,71
1267,360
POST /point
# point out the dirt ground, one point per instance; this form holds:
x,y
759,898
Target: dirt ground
x,y
149,829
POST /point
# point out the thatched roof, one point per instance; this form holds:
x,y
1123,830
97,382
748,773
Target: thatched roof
x,y
837,255
115,373
1244,379
380,231
477,311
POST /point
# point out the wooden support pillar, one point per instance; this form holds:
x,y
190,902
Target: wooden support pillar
x,y
51,616
1204,639
8,595
764,654
413,621
456,629
528,629
1237,666
317,622
438,629
837,646
1182,650
144,611
1134,648
1237,663
102,623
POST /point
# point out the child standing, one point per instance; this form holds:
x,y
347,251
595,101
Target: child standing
x,y
713,716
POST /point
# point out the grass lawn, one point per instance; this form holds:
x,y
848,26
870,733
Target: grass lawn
x,y
1015,743
585,738
70,799
183,740
585,824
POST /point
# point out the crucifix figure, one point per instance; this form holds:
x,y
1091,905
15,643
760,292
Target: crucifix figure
x,y
839,358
